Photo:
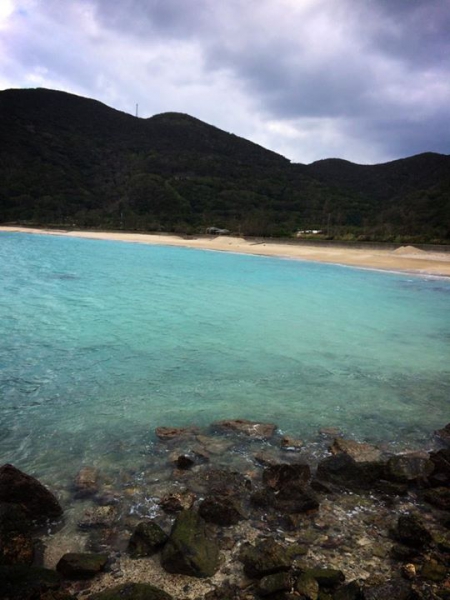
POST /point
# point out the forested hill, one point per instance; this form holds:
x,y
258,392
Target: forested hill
x,y
72,161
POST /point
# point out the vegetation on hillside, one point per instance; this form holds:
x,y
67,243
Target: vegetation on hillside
x,y
74,162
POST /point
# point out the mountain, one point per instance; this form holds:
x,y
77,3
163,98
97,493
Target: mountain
x,y
72,161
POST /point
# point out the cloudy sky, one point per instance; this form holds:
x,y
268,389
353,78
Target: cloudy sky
x,y
365,80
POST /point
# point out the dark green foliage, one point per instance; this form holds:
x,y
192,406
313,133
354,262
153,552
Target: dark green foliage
x,y
74,162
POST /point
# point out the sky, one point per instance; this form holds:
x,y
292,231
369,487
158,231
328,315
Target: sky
x,y
363,80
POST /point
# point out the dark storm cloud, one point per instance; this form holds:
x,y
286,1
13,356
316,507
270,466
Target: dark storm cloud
x,y
160,18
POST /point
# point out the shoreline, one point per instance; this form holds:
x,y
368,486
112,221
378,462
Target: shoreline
x,y
372,520
405,259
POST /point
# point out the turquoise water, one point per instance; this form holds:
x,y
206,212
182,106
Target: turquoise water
x,y
100,342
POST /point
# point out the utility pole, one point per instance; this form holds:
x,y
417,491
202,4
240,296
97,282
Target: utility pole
x,y
137,110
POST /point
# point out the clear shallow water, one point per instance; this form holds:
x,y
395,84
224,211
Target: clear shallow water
x,y
100,342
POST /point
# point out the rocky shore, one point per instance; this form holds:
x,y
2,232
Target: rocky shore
x,y
236,511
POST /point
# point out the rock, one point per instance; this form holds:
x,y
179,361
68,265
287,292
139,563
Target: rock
x,y
278,476
330,431
184,462
344,472
214,445
307,587
442,541
409,571
132,591
227,591
295,498
222,510
441,473
408,468
351,591
412,532
287,490
81,565
168,434
175,502
189,551
249,428
35,499
278,582
16,544
290,443
221,482
86,482
26,583
265,558
360,452
390,590
444,434
434,571
327,578
401,552
147,539
99,517
439,497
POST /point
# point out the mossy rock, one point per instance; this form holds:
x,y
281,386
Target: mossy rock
x,y
265,558
327,578
307,587
81,565
132,591
412,532
434,571
148,538
278,582
20,582
189,551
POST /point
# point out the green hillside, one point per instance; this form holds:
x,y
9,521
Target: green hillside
x,y
71,161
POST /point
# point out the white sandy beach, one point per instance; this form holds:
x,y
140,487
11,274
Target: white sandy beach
x,y
408,259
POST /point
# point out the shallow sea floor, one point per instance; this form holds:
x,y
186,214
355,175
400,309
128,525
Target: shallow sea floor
x,y
101,342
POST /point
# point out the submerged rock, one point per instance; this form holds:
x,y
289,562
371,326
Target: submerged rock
x,y
290,443
408,468
222,510
86,482
175,502
167,434
251,429
344,472
279,476
412,532
98,517
132,591
189,550
444,434
360,452
220,481
81,565
147,539
19,488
